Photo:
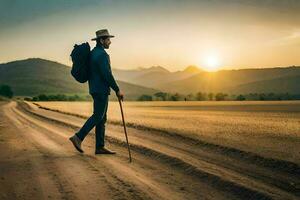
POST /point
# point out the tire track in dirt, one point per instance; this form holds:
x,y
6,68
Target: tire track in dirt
x,y
134,177
279,165
214,163
29,168
70,171
288,184
231,186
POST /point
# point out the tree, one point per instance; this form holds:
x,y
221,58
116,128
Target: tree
x,y
190,97
28,99
73,98
200,96
252,96
145,97
43,97
6,91
211,96
271,96
35,99
240,98
286,96
220,96
161,95
175,97
262,97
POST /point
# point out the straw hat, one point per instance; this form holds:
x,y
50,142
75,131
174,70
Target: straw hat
x,y
102,33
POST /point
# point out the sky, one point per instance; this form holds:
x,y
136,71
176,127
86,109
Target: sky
x,y
212,34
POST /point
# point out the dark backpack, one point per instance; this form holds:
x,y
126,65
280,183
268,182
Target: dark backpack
x,y
81,58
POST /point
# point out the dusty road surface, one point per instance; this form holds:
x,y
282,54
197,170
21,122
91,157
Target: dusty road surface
x,y
37,161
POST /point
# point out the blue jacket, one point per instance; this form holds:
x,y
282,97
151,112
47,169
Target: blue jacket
x,y
101,78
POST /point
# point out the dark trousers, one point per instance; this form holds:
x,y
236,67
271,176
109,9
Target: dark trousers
x,y
98,119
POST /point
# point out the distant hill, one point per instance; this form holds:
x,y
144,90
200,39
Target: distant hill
x,y
36,76
130,75
154,76
192,69
290,84
237,81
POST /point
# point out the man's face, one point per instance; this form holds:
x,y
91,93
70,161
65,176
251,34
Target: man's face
x,y
106,43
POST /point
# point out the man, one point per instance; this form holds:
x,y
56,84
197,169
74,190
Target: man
x,y
100,81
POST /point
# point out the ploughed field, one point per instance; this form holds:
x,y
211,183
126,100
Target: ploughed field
x,y
181,150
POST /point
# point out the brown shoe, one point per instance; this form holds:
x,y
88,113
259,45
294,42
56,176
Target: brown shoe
x,y
104,151
76,142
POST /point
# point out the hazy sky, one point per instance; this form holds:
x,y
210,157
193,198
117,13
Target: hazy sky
x,y
172,34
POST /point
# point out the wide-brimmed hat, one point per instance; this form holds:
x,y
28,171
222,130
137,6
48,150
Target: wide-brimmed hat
x,y
102,33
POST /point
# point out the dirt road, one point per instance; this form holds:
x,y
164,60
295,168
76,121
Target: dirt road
x,y
37,161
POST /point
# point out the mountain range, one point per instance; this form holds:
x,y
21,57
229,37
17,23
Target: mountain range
x,y
193,79
154,76
36,76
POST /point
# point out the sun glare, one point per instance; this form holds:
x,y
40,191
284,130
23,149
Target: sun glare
x,y
211,62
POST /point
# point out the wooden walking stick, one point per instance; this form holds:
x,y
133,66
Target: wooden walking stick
x,y
125,129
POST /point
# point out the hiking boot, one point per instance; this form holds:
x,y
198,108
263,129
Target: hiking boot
x,y
104,151
76,142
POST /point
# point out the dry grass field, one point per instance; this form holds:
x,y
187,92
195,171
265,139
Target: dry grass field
x,y
270,128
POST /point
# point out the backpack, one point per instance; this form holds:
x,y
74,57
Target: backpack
x,y
80,57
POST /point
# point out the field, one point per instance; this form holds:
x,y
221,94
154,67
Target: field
x,y
180,150
269,128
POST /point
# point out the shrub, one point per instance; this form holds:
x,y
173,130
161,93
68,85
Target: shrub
x,y
220,96
145,97
6,91
240,98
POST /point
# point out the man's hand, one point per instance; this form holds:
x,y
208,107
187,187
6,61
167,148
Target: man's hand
x,y
120,95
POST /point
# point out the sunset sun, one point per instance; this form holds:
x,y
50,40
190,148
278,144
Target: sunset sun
x,y
211,62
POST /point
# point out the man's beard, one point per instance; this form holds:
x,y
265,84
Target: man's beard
x,y
106,46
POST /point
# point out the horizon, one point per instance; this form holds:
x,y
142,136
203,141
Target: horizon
x,y
149,67
210,35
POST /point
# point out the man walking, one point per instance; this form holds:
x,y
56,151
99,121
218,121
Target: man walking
x,y
100,81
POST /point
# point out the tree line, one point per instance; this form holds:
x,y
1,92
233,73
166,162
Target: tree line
x,y
6,91
202,96
58,97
